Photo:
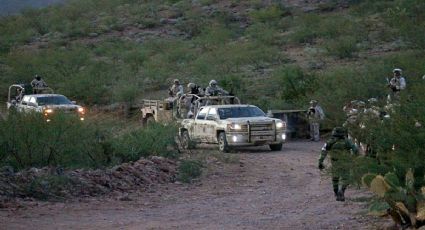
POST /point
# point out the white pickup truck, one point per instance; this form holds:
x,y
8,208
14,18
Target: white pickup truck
x,y
232,126
46,103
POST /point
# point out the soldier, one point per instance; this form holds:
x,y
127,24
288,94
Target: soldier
x,y
315,116
176,90
195,89
37,83
340,149
396,84
214,90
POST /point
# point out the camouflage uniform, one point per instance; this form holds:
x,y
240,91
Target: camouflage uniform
x,y
37,82
214,90
396,84
339,147
315,116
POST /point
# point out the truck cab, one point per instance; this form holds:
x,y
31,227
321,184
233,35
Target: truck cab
x,y
47,103
232,126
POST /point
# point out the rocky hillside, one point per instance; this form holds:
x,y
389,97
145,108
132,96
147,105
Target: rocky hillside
x,y
276,54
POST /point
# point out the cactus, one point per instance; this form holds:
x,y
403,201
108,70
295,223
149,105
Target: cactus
x,y
407,205
367,179
379,186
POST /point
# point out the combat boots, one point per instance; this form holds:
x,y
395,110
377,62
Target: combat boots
x,y
340,195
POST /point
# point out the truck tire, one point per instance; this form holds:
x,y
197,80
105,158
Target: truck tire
x,y
150,120
223,146
185,140
276,147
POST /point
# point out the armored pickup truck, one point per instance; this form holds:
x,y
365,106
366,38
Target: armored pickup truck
x,y
47,102
232,126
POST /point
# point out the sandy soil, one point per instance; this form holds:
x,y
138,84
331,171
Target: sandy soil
x,y
262,190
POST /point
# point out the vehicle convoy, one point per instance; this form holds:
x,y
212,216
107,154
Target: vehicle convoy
x,y
162,111
47,102
233,126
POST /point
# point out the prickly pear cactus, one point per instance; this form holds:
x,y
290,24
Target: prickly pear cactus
x,y
407,205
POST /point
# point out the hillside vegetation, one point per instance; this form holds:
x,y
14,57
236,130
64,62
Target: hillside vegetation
x,y
276,54
270,53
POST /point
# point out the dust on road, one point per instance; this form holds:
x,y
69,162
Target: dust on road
x,y
264,190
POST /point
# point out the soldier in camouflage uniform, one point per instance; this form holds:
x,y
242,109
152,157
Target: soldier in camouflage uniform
x,y
214,90
340,149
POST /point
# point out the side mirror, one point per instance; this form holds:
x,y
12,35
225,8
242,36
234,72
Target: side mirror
x,y
74,102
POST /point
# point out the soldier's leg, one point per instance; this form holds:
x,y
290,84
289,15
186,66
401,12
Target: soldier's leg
x,y
316,132
335,184
311,131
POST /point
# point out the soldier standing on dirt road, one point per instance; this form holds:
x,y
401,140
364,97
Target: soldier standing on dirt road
x,y
315,115
340,148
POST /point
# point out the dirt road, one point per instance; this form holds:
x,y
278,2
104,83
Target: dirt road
x,y
262,190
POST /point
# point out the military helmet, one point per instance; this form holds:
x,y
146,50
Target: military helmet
x,y
339,132
191,85
397,70
176,80
213,83
313,102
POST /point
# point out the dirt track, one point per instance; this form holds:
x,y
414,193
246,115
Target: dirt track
x,y
265,190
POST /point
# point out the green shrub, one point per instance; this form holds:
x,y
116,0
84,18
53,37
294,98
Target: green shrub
x,y
269,14
156,140
189,170
343,47
293,85
27,140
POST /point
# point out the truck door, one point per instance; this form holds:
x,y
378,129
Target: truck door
x,y
23,106
210,126
198,127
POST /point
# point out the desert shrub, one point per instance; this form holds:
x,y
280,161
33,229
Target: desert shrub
x,y
269,14
342,47
156,140
293,85
408,18
189,170
308,27
27,140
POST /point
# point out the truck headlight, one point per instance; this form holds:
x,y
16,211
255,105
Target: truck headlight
x,y
283,136
47,111
81,110
236,127
280,125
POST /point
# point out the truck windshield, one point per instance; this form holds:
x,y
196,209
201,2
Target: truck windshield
x,y
236,112
53,100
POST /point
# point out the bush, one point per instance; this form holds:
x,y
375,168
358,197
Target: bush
x,y
155,140
270,14
343,47
27,140
189,170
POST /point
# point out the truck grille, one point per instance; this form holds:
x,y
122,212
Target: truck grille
x,y
262,132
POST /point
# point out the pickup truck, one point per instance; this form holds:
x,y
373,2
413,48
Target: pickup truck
x,y
46,103
232,126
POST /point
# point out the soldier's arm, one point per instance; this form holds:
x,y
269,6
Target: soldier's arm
x,y
323,155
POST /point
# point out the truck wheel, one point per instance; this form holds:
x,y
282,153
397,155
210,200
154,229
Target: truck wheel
x,y
222,143
276,147
150,120
185,140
